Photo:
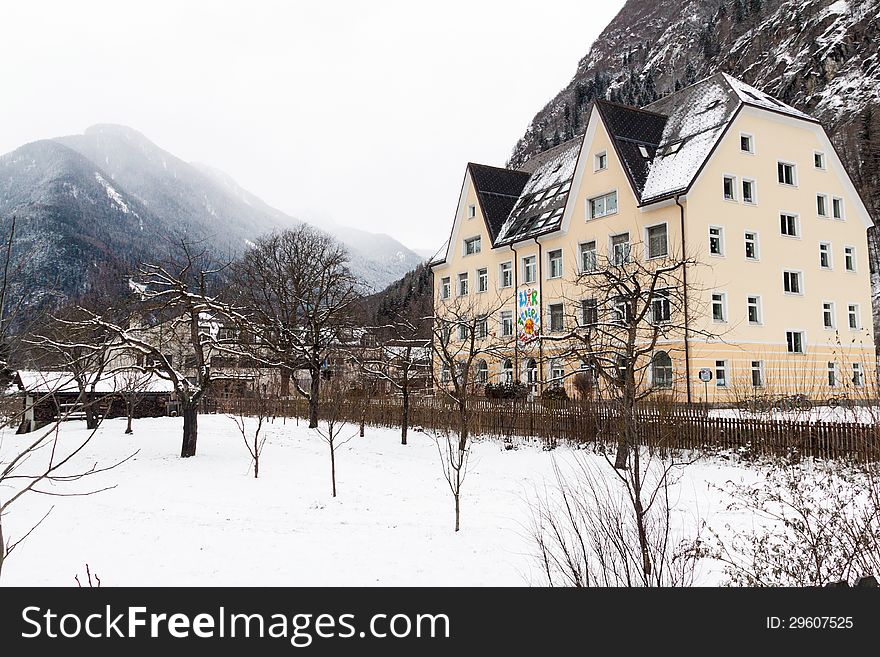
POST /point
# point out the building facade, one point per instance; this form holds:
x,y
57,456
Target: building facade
x,y
747,191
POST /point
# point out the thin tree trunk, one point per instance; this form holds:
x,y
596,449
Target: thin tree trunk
x,y
2,548
333,467
640,518
404,421
190,429
457,511
129,409
313,397
256,459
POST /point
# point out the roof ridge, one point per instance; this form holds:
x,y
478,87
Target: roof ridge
x,y
692,84
603,101
490,166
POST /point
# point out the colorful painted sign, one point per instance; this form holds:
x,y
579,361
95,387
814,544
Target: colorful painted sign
x,y
528,315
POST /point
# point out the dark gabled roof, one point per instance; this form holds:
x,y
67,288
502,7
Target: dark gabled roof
x,y
636,134
498,191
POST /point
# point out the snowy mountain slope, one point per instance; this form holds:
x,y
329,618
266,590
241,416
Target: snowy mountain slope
x,y
821,56
93,206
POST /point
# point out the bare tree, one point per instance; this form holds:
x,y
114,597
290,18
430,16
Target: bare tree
x,y
250,414
38,467
134,384
70,344
633,315
333,426
300,296
181,319
400,361
585,533
462,343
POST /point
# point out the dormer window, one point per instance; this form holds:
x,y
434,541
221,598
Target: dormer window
x,y
472,245
600,162
472,211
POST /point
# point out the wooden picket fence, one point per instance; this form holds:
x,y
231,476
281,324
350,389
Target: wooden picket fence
x,y
658,427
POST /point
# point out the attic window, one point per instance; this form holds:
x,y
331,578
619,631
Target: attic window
x,y
553,191
749,93
472,211
557,167
643,151
774,101
712,105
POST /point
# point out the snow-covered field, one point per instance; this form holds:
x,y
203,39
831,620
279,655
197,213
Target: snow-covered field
x,y
207,521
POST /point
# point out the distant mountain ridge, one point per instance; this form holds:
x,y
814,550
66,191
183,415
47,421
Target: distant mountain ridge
x,y
91,207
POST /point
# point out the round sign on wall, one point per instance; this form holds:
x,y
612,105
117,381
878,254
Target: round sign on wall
x,y
705,375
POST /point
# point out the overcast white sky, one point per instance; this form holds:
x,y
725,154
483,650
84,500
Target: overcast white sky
x,y
364,113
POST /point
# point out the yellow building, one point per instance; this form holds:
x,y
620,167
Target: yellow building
x,y
746,186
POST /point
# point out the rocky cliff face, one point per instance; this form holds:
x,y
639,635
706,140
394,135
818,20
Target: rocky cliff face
x,y
821,56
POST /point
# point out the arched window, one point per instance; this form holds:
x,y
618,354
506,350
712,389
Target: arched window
x,y
532,374
507,369
661,370
482,372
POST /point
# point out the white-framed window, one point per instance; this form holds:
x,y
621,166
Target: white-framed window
x,y
507,323
661,370
602,206
481,327
832,374
661,307
557,371
792,282
557,319
719,307
530,269
482,372
716,240
858,378
588,256
463,331
620,249
853,316
822,205
445,287
554,258
788,224
462,284
729,187
746,143
819,160
750,189
795,342
589,312
656,239
600,161
621,311
444,373
751,243
721,373
505,274
825,255
758,373
507,371
482,280
473,245
753,309
786,173
471,211
849,258
828,314
837,207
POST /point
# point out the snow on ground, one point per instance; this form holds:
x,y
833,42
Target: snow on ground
x,y
849,414
207,521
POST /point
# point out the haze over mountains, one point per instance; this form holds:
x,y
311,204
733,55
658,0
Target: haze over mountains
x,y
93,206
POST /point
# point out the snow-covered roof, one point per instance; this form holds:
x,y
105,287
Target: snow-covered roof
x,y
662,147
117,381
543,199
